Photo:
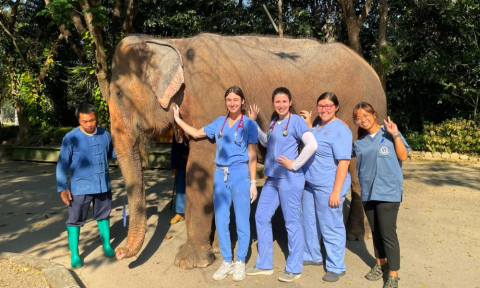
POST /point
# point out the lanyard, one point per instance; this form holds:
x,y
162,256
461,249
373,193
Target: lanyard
x,y
239,125
285,132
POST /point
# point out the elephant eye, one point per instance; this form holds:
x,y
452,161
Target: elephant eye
x,y
119,94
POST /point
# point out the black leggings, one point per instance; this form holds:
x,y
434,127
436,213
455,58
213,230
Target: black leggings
x,y
382,217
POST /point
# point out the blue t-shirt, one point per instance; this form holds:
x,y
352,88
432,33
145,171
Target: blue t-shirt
x,y
379,170
278,144
334,143
232,149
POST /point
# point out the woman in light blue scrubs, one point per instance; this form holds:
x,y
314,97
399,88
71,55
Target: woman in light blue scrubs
x,y
234,179
283,186
380,151
327,183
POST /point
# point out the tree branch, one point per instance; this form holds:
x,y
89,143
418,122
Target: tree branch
x,y
363,16
16,46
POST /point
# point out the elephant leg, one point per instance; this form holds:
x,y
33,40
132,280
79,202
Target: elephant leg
x,y
215,243
357,224
197,251
130,162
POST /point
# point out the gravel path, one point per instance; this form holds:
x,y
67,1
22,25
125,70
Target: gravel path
x,y
20,276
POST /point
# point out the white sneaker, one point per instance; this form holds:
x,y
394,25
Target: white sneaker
x,y
224,269
239,271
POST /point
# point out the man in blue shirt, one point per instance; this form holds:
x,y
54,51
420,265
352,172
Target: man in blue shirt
x,y
85,151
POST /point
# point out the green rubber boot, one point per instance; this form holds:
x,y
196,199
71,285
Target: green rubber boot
x,y
104,228
73,236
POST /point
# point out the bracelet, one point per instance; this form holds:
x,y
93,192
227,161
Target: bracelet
x,y
396,136
253,181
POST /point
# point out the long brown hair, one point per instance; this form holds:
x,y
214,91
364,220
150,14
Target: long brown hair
x,y
282,90
237,91
367,108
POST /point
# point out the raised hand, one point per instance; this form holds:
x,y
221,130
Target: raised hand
x,y
253,112
176,113
391,127
307,116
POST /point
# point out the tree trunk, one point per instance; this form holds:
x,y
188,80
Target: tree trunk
x,y
382,41
127,22
117,6
280,23
354,23
49,60
101,69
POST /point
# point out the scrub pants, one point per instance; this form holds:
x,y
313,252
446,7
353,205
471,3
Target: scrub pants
x,y
382,217
286,192
232,183
322,221
180,186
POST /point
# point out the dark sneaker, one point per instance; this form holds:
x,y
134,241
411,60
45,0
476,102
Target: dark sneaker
x,y
312,263
289,277
332,276
392,282
257,271
376,273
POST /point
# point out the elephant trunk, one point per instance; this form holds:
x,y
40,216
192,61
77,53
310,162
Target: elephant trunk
x,y
129,157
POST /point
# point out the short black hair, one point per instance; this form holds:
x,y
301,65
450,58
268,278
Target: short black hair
x,y
85,109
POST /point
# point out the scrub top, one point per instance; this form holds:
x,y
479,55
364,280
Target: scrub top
x,y
231,149
278,144
334,143
379,170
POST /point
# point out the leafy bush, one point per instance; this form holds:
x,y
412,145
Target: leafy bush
x,y
415,140
454,135
56,134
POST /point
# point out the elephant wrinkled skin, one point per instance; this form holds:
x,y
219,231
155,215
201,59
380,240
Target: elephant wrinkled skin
x,y
149,76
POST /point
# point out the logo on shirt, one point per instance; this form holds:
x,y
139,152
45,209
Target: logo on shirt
x,y
326,133
384,150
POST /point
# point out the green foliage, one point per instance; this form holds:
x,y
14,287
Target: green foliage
x,y
415,140
455,135
56,134
101,107
99,15
61,12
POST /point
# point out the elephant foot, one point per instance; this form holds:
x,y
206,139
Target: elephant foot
x,y
191,256
358,231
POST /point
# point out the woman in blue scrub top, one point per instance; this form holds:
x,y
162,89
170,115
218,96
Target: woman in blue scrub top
x,y
327,183
380,151
283,186
234,179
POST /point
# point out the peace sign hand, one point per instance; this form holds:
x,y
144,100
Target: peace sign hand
x,y
391,127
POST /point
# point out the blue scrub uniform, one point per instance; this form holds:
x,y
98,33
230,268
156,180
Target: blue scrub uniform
x,y
319,219
231,182
283,187
379,170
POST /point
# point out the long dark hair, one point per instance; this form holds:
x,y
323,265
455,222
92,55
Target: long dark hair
x,y
329,96
237,91
282,90
367,108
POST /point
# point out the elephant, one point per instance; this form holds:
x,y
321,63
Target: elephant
x,y
150,76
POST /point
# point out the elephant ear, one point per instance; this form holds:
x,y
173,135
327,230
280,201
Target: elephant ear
x,y
164,71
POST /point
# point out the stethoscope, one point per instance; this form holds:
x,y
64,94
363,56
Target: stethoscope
x,y
285,132
239,125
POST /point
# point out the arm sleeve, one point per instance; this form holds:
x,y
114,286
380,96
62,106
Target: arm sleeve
x,y
210,129
310,146
63,163
252,132
262,137
342,147
111,151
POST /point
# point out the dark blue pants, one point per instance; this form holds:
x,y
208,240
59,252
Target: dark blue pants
x,y
80,204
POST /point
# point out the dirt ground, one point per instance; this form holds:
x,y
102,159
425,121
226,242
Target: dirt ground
x,y
437,227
